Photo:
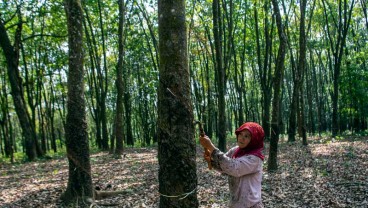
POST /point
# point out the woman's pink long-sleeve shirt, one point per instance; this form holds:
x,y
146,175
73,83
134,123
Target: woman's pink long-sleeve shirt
x,y
244,175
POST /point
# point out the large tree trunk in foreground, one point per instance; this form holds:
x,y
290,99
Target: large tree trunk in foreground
x,y
176,144
79,190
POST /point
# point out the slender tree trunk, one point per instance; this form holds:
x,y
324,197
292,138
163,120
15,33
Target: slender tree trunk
x,y
220,75
51,115
142,106
12,60
98,79
279,71
310,88
62,110
309,83
302,68
93,78
176,144
128,115
209,111
146,130
153,50
264,69
79,191
198,96
33,93
7,137
337,39
119,127
302,119
320,95
240,87
298,82
103,84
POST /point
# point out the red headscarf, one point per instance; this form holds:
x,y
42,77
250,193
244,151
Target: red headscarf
x,y
255,145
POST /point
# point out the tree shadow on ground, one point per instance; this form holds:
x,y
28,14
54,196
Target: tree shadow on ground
x,y
322,174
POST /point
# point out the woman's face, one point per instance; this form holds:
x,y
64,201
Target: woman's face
x,y
244,138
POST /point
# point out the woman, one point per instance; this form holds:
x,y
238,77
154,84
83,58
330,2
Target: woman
x,y
242,164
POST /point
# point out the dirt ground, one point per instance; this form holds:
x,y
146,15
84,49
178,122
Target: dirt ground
x,y
326,173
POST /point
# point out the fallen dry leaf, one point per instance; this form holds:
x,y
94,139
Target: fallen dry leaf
x,y
332,174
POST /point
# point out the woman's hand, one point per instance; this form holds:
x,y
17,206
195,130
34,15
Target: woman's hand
x,y
206,143
208,149
207,155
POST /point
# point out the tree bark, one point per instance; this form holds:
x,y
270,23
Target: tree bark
x,y
240,87
153,50
221,86
278,77
296,102
264,69
5,123
128,116
12,60
311,86
302,69
103,84
209,115
98,78
79,190
337,48
93,78
119,127
176,144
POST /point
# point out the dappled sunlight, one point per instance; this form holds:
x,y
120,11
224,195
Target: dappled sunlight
x,y
31,180
322,174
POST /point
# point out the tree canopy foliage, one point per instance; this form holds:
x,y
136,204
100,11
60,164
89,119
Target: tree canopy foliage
x,y
249,43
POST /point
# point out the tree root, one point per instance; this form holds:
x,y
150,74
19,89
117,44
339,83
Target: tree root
x,y
107,194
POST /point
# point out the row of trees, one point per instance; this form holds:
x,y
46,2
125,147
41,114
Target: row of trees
x,y
239,52
288,64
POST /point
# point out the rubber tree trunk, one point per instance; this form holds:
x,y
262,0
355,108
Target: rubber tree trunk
x,y
221,86
12,60
298,82
119,127
79,190
279,72
176,144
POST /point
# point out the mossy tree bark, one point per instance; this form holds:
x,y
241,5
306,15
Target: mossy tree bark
x,y
79,189
176,143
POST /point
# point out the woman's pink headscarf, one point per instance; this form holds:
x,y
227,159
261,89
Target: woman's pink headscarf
x,y
255,145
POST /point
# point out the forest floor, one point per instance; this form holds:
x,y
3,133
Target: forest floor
x,y
326,173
